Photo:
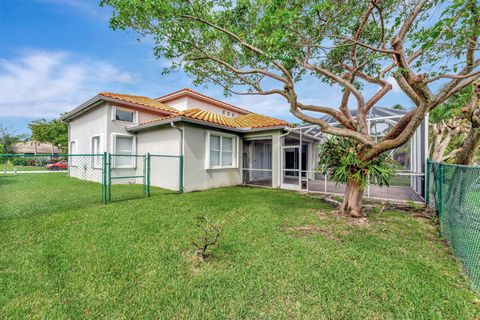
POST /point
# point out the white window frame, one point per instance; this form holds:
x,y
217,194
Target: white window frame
x,y
95,163
134,150
73,161
235,150
114,114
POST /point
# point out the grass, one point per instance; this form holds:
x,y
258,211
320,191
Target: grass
x,y
132,259
10,167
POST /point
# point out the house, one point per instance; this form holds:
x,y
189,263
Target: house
x,y
35,147
221,144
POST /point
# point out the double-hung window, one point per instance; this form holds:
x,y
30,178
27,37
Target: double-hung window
x,y
124,151
73,149
97,151
221,151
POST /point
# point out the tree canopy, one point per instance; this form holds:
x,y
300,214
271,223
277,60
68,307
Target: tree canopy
x,y
8,140
53,131
267,47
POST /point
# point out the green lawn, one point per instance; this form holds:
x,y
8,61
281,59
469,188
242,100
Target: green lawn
x,y
10,167
132,259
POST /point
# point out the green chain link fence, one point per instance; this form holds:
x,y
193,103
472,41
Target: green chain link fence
x,y
454,191
31,184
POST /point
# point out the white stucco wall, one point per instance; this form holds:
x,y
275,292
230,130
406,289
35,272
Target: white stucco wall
x,y
196,177
82,129
165,140
184,103
178,103
193,103
164,171
100,122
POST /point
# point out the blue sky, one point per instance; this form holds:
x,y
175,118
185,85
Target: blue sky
x,y
55,54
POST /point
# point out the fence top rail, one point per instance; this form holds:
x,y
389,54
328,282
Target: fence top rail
x,y
164,155
49,155
83,155
454,165
127,155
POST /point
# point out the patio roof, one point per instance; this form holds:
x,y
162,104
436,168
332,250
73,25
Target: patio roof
x,y
375,113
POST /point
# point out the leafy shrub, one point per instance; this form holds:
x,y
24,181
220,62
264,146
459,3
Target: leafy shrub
x,y
23,161
339,157
30,161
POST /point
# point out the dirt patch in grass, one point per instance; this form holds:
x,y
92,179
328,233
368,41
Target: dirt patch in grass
x,y
310,229
330,232
362,222
358,222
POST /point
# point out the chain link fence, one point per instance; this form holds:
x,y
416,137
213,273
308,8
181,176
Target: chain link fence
x,y
126,177
31,184
454,191
163,173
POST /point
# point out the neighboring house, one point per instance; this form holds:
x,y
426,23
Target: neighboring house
x,y
34,147
222,144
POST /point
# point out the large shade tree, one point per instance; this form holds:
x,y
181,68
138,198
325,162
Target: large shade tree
x,y
267,47
455,127
54,132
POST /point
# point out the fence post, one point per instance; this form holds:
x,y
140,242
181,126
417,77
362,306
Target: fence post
x,y
440,195
180,179
104,179
109,177
427,184
147,175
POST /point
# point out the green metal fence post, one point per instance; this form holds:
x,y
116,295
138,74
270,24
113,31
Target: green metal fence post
x,y
147,175
104,179
109,177
440,195
427,183
180,185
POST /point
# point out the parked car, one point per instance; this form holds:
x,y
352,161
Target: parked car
x,y
60,165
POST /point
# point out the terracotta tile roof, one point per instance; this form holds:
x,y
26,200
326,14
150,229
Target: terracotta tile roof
x,y
253,120
256,120
145,101
188,90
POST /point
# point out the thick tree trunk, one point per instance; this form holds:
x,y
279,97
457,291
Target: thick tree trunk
x,y
470,147
443,134
352,201
439,148
472,141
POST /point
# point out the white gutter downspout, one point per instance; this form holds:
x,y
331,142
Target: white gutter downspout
x,y
182,144
181,136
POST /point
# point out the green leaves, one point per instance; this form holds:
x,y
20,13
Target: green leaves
x,y
339,157
452,107
54,132
190,33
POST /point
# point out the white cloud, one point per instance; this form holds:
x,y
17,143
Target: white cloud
x,y
44,84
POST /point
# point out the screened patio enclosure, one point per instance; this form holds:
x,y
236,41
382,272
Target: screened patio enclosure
x,y
408,182
257,161
289,160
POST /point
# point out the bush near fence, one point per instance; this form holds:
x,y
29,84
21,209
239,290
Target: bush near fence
x,y
454,191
